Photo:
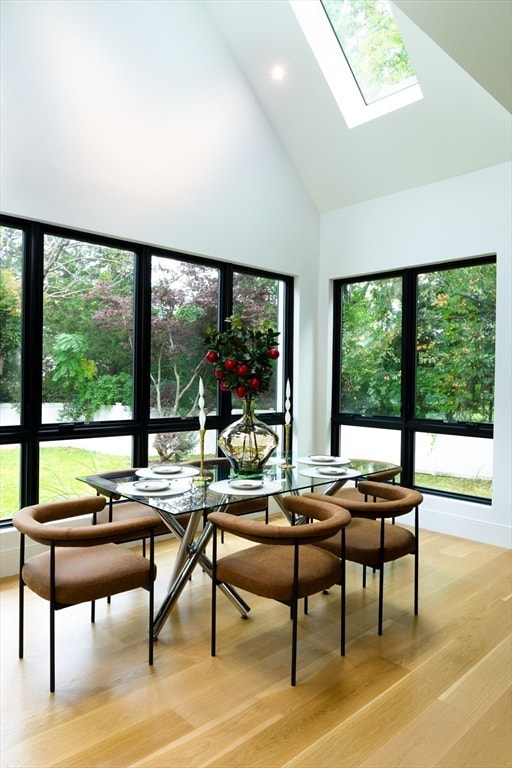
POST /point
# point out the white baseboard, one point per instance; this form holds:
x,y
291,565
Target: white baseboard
x,y
475,530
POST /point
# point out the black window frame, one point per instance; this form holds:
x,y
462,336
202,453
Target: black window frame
x,y
407,423
30,432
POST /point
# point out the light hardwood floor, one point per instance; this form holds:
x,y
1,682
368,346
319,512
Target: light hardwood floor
x,y
432,691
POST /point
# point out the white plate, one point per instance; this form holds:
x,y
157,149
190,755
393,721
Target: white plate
x,y
268,488
184,471
151,485
246,485
313,460
166,469
174,488
327,475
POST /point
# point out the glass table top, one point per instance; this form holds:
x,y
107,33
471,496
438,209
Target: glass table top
x,y
180,489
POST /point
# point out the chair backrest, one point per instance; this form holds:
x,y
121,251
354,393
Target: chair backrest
x,y
33,521
329,520
397,500
403,499
386,475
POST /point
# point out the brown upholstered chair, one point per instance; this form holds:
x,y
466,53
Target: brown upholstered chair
x,y
386,476
283,565
82,563
369,539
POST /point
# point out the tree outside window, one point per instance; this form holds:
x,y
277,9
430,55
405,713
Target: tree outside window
x,y
417,354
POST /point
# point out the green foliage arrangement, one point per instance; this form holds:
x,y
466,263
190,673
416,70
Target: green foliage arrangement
x,y
242,357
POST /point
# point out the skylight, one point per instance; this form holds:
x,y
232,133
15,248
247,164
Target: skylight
x,y
362,55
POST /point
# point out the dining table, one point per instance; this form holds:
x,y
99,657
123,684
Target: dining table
x,y
183,495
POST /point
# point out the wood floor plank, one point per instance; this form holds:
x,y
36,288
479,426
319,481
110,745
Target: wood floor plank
x,y
452,715
434,691
488,742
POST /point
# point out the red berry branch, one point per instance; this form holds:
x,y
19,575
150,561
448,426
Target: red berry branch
x,y
242,357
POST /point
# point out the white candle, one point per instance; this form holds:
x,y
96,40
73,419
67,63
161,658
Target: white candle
x,y
202,415
287,404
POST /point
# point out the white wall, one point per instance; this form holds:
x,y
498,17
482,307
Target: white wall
x,y
132,119
455,219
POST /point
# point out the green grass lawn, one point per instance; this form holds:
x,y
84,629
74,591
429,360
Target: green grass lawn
x,y
59,469
466,485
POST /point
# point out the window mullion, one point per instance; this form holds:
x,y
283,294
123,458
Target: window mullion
x,y
409,326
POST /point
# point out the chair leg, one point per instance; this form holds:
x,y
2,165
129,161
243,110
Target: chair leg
x,y
293,676
381,572
21,619
214,593
52,618
416,561
294,610
21,599
151,593
343,591
416,579
52,647
381,595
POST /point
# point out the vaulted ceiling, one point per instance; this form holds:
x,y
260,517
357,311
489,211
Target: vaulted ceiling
x,y
461,52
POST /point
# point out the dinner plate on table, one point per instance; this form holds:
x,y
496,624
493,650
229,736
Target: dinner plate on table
x,y
332,471
330,474
322,460
172,471
166,469
239,486
153,488
245,484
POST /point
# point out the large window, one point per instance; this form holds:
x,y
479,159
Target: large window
x,y
87,331
184,300
455,338
101,349
371,346
415,356
257,298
